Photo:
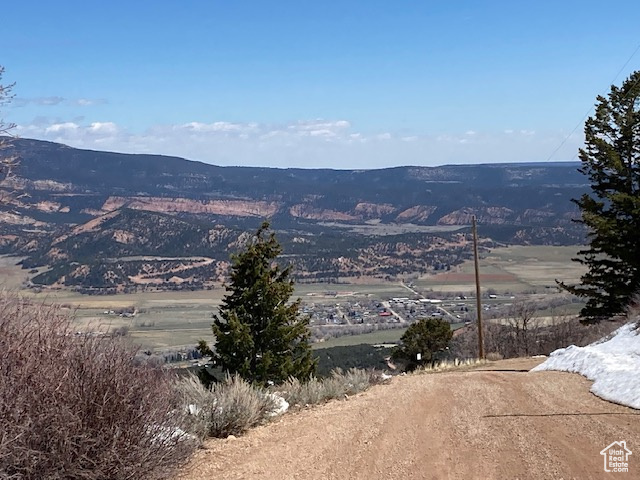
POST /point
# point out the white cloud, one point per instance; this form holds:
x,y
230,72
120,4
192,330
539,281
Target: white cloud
x,y
314,143
47,101
62,127
322,133
39,101
445,138
357,138
103,128
272,134
87,102
320,125
53,101
211,127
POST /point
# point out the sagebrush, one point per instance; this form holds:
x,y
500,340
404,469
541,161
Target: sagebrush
x,y
319,390
227,408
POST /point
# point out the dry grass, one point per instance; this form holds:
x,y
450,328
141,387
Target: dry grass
x,y
449,365
494,356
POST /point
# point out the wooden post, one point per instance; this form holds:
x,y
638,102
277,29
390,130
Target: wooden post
x,y
478,299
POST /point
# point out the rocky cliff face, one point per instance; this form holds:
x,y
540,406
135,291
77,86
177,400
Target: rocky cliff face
x,y
236,208
416,214
484,215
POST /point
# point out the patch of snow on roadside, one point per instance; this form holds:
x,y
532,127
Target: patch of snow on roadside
x,y
281,405
612,364
163,434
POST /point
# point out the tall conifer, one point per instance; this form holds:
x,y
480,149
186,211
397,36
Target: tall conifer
x,y
259,332
611,211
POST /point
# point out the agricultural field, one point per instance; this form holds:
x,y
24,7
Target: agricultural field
x,y
12,277
173,320
373,338
380,337
308,291
515,269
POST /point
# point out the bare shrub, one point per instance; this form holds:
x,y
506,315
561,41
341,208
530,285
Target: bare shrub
x,y
507,340
633,310
236,406
122,331
8,162
74,406
494,356
522,317
448,365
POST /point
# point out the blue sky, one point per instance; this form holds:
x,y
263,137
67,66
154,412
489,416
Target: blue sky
x,y
340,84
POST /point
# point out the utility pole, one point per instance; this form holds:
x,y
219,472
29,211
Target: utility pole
x,y
478,299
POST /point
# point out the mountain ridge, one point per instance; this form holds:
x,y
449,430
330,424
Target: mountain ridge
x,y
57,188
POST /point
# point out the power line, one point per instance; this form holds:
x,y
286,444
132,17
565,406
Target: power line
x,y
581,122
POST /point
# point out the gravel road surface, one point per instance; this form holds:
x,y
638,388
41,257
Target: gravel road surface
x,y
495,422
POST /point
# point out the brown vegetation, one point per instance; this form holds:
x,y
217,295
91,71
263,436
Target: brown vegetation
x,y
76,406
525,334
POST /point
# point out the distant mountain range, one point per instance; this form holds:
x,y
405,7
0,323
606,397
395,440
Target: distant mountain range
x,y
80,212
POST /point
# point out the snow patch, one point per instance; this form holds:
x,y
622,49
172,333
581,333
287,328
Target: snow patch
x,y
281,405
612,363
166,435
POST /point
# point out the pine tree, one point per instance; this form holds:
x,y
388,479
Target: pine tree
x,y
611,211
426,337
259,332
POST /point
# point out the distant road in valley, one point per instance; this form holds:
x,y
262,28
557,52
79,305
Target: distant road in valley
x,y
447,313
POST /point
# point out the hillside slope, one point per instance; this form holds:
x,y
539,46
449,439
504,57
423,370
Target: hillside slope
x,y
501,424
73,212
67,185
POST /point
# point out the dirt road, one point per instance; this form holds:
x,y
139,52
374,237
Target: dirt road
x,y
493,423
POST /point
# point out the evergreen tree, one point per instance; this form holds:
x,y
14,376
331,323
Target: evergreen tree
x,y
426,337
611,211
259,332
